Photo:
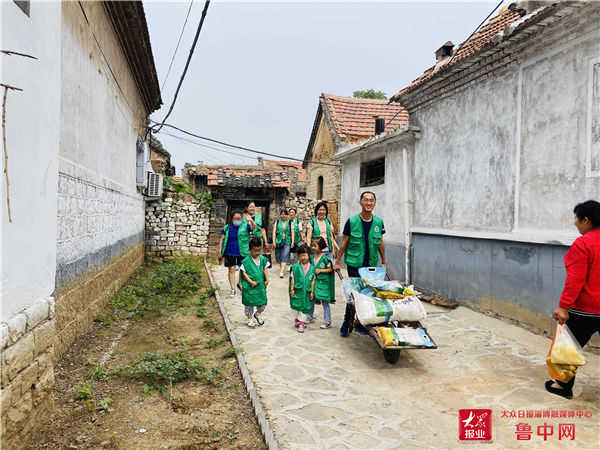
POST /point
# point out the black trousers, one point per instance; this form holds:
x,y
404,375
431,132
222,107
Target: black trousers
x,y
349,314
583,328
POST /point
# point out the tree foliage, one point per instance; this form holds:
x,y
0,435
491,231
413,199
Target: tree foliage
x,y
370,93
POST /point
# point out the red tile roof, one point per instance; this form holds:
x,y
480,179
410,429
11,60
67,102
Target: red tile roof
x,y
354,118
297,165
246,176
482,37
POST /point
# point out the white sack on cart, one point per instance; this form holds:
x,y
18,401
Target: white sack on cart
x,y
373,311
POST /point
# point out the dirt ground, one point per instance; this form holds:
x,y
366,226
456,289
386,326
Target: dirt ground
x,y
192,414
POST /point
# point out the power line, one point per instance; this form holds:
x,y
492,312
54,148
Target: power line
x,y
175,52
248,149
187,63
446,65
182,139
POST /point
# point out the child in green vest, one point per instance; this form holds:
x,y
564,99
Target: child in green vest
x,y
302,284
255,279
324,291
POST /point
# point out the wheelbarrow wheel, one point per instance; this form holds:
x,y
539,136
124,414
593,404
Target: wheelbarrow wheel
x,y
391,356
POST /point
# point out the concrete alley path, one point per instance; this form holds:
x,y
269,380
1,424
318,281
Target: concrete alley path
x,y
323,391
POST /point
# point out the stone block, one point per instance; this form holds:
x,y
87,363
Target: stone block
x,y
44,361
3,335
17,324
19,355
20,411
51,302
44,335
36,313
29,377
5,398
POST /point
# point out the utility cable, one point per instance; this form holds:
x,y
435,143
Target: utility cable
x,y
187,64
174,53
446,65
249,149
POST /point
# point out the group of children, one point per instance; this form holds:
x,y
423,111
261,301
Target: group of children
x,y
311,283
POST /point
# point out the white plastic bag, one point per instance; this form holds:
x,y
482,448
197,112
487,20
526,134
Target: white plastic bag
x,y
373,311
566,349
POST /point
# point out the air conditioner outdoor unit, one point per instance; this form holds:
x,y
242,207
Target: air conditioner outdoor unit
x,y
155,185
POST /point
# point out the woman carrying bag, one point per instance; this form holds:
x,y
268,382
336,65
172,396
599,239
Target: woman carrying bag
x,y
579,305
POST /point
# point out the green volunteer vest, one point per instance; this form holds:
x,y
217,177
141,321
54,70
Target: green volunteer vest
x,y
324,282
257,295
258,222
355,251
243,238
279,233
297,236
316,231
301,301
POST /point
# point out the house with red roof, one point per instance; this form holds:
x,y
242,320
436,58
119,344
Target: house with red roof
x,y
271,184
339,122
478,188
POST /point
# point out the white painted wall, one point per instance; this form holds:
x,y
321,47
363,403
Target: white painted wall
x,y
99,206
511,153
390,194
32,128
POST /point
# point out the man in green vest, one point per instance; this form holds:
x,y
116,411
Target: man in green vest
x,y
362,244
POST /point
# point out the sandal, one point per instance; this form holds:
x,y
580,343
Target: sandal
x,y
566,393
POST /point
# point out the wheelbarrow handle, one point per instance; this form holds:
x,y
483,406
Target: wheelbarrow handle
x,y
339,273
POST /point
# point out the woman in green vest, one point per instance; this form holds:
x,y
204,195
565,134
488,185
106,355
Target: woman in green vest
x,y
255,279
233,246
320,225
324,282
302,285
298,239
284,240
260,230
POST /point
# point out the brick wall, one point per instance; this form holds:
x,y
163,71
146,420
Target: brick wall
x,y
176,228
27,369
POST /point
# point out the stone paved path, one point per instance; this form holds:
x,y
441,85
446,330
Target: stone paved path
x,y
324,391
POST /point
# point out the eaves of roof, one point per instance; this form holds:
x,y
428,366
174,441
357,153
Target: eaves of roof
x,y
492,39
404,132
129,24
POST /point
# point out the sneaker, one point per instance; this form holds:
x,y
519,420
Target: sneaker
x,y
361,328
310,320
232,293
344,329
301,327
259,319
251,323
280,275
325,325
296,323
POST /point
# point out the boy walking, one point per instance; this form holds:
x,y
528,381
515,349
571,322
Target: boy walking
x,y
255,279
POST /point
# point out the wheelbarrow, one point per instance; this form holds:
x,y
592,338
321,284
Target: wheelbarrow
x,y
391,353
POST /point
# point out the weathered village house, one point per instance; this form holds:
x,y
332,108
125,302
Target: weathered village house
x,y
272,185
478,190
160,158
76,224
339,122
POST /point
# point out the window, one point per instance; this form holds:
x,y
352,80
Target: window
x,y
372,173
320,187
23,6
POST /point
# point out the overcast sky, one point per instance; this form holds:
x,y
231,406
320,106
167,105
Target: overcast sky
x,y
259,68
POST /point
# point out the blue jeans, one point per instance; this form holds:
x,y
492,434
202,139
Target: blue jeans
x,y
282,255
326,311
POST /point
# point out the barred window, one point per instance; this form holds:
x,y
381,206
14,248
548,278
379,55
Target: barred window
x,y
372,172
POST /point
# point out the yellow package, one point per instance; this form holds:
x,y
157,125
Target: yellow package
x,y
566,353
386,336
389,295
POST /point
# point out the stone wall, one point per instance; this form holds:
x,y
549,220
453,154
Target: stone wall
x,y
305,210
176,227
27,369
